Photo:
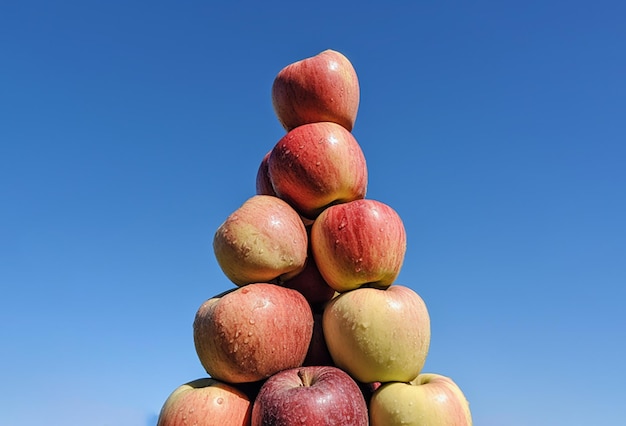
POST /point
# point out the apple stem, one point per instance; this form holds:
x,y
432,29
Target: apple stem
x,y
304,377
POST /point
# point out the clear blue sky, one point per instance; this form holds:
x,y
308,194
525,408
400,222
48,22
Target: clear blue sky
x,y
129,130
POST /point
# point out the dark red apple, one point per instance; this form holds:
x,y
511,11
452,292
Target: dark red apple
x,y
311,284
318,353
253,332
315,396
324,87
317,165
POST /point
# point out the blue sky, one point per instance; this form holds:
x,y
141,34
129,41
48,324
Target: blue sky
x,y
130,130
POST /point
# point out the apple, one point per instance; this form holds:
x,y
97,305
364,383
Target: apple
x,y
206,401
429,399
315,395
263,182
311,284
263,240
368,390
378,335
253,332
317,353
362,242
316,165
324,87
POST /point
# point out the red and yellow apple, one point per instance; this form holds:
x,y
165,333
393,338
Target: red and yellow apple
x,y
203,402
362,242
263,240
429,399
324,87
315,395
378,335
253,332
316,165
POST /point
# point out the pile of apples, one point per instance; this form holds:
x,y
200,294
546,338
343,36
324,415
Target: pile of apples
x,y
315,330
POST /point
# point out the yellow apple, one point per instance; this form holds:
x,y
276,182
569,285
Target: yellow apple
x,y
428,400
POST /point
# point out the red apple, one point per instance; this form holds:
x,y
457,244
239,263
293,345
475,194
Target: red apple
x,y
378,335
318,350
315,396
311,284
359,243
368,390
317,165
253,332
203,402
263,182
430,399
263,240
324,87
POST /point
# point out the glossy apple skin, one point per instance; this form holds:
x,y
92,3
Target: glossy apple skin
x,y
359,243
430,399
253,332
378,335
324,87
263,240
317,165
206,401
315,396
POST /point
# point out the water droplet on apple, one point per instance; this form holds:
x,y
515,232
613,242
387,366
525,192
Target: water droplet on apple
x,y
343,223
251,321
219,400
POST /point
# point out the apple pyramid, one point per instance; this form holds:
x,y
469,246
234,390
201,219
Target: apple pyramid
x,y
315,330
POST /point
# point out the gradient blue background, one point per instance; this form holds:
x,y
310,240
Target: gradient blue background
x,y
129,130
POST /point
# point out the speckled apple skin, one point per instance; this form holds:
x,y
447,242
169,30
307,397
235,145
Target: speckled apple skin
x,y
253,332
